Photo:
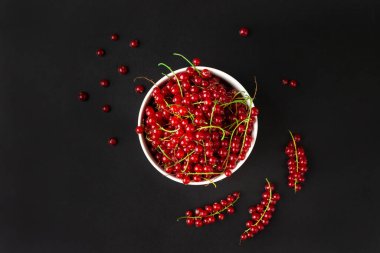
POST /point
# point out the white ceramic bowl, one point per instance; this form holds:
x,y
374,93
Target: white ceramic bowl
x,y
228,80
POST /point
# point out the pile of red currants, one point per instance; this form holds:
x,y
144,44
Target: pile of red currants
x,y
197,126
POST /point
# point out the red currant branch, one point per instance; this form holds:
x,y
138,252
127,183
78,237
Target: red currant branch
x,y
296,154
213,213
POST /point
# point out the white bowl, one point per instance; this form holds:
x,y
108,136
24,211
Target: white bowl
x,y
229,80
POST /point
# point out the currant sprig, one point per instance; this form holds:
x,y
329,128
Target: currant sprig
x,y
261,213
211,213
297,162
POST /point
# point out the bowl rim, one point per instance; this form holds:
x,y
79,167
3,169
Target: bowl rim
x,y
229,80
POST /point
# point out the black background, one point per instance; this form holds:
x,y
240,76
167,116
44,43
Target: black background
x,y
63,189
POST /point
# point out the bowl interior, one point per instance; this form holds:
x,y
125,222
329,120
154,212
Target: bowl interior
x,y
229,80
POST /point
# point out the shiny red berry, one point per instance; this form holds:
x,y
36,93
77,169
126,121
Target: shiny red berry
x,y
100,52
115,37
134,43
243,32
106,108
123,69
293,83
139,88
83,96
104,83
196,61
285,81
140,130
112,141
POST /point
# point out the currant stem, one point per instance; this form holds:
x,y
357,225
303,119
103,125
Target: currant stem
x,y
296,153
218,127
183,57
163,152
145,78
166,66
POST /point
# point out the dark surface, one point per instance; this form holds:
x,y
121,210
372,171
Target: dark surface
x,y
63,189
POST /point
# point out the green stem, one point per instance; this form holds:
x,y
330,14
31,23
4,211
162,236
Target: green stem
x,y
296,153
232,135
183,57
218,127
212,113
246,127
166,66
163,152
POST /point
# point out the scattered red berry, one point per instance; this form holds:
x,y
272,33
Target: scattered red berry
x,y
139,88
297,162
139,129
211,213
134,43
123,69
100,52
243,32
115,37
261,213
83,96
106,108
293,83
104,83
197,61
285,81
112,141
197,127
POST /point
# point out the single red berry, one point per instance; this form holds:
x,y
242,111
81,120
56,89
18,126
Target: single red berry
x,y
221,216
134,43
106,108
189,221
198,223
186,180
100,52
83,96
139,129
196,61
285,81
243,32
104,83
297,137
115,37
112,141
293,83
255,111
123,69
139,88
228,173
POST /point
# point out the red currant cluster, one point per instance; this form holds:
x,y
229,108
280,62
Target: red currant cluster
x,y
211,213
291,83
297,162
197,127
261,213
